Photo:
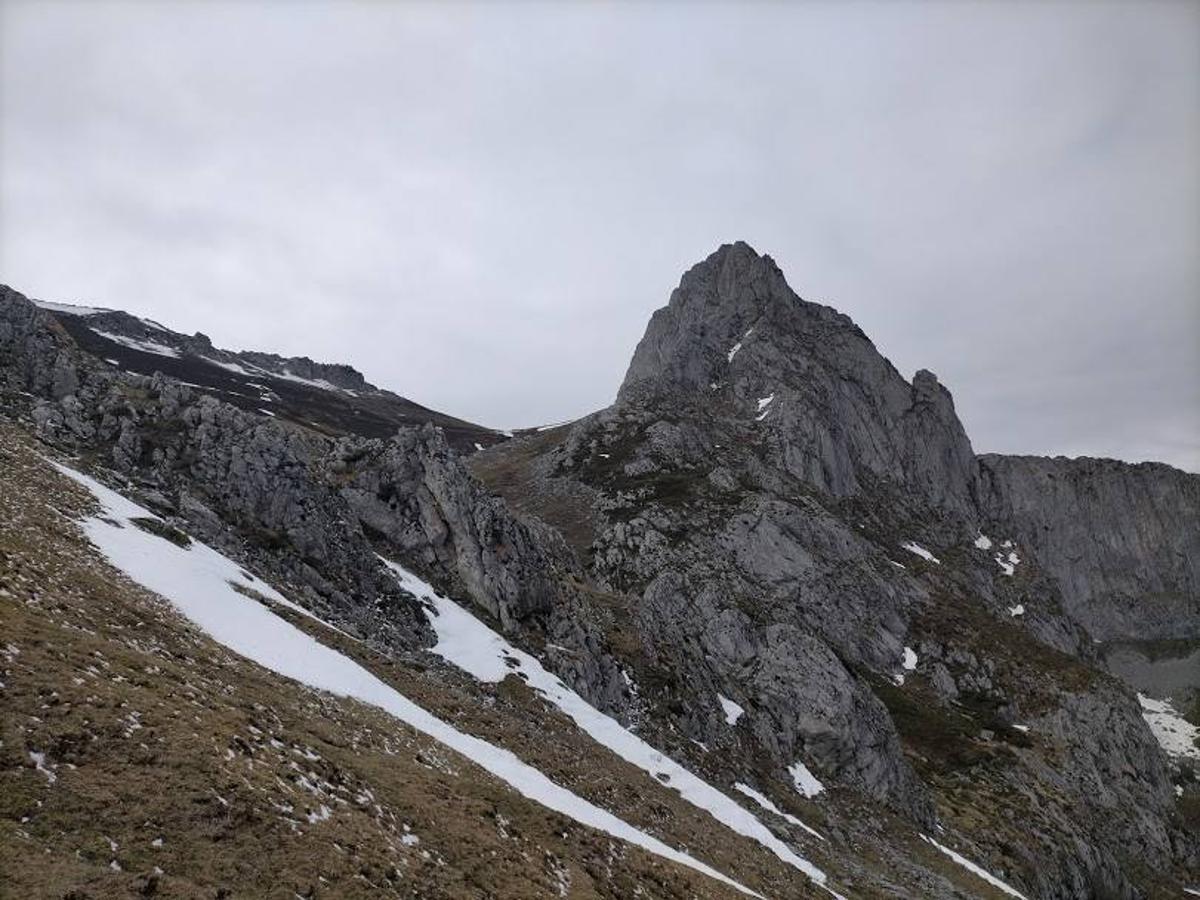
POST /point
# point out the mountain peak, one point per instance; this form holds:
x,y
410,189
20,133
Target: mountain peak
x,y
718,301
837,411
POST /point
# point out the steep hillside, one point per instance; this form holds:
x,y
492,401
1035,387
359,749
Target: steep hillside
x,y
331,398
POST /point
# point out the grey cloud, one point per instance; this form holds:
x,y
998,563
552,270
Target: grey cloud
x,y
480,205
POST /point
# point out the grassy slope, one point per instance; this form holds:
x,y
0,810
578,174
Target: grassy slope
x,y
152,731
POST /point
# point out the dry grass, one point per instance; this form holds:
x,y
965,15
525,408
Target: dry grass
x,y
255,786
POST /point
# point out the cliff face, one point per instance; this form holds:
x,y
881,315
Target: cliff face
x,y
791,526
838,412
1122,541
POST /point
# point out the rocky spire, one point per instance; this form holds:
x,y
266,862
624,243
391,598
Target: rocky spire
x,y
839,411
691,341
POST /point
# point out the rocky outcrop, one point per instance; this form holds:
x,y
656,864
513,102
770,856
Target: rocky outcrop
x,y
35,356
796,528
837,412
296,504
415,492
1122,541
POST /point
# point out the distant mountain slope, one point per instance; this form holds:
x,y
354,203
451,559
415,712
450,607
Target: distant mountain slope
x,y
332,398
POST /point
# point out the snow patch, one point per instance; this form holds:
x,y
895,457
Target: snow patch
x,y
234,367
976,870
733,711
770,807
914,547
134,344
321,383
469,644
983,542
70,309
197,582
1018,610
1007,561
805,781
39,762
763,403
1175,734
910,659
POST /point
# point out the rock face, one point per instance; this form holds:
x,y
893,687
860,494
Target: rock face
x,y
841,413
414,491
799,530
1122,541
293,502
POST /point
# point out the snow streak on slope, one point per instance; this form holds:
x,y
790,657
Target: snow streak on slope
x,y
766,804
70,309
977,870
914,547
197,581
134,344
469,644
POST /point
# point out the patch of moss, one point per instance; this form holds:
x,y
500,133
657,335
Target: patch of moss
x,y
944,739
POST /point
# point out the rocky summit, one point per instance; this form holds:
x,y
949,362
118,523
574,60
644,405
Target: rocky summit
x,y
765,626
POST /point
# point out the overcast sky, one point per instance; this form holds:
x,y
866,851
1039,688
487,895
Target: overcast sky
x,y
479,206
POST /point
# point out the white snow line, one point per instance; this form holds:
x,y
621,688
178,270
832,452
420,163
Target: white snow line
x,y
914,547
766,804
70,309
196,581
286,375
134,344
469,644
733,351
976,870
232,367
